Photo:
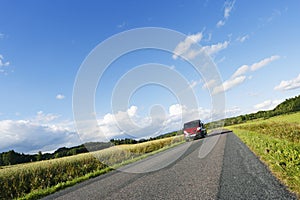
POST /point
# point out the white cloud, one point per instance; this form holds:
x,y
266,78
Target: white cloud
x,y
228,6
238,76
1,35
210,50
267,105
124,122
243,38
245,68
184,46
2,63
233,82
210,84
263,62
228,84
220,23
215,48
37,134
193,84
132,111
178,114
289,84
41,117
186,49
175,109
44,133
136,126
60,97
241,71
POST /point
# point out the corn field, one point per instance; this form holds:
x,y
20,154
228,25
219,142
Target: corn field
x,y
19,180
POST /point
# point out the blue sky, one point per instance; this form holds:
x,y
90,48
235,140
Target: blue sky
x,y
254,45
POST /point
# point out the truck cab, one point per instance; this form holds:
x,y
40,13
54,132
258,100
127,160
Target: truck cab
x,y
194,130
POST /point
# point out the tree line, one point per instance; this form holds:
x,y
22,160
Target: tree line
x,y
288,106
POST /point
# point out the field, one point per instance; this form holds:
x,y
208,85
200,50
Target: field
x,y
276,141
34,180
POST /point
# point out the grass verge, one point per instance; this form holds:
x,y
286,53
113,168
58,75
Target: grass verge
x,y
277,145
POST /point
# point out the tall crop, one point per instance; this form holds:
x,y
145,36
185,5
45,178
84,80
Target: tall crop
x,y
19,180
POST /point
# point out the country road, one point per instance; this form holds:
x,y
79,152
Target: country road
x,y
229,170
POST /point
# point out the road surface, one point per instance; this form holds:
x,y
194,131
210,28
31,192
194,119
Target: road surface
x,y
229,170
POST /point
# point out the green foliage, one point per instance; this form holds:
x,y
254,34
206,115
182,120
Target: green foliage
x,y
276,141
171,134
280,130
39,156
123,141
11,158
288,106
281,156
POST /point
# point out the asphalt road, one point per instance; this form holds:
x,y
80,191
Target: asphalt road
x,y
217,167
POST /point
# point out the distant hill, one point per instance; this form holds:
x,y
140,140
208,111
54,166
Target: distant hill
x,y
288,106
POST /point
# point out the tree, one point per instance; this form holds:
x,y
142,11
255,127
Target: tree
x,y
10,157
39,156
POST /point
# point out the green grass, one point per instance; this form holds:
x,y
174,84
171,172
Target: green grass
x,y
38,179
276,141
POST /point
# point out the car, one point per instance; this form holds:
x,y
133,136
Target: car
x,y
194,130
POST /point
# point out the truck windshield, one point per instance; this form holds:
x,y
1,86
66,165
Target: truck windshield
x,y
192,124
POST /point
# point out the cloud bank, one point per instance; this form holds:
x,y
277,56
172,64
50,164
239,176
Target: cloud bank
x,y
289,84
187,50
30,137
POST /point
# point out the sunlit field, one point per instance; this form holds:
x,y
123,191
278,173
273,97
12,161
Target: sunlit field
x,y
34,180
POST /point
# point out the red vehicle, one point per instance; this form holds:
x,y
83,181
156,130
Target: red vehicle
x,y
194,130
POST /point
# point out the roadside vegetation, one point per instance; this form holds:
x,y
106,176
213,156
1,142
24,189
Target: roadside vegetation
x,y
276,141
11,157
37,179
289,106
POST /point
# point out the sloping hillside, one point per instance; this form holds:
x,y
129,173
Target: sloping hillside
x,y
288,106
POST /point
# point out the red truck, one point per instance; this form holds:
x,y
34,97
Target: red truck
x,y
194,130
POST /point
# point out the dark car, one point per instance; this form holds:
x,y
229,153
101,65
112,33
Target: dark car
x,y
194,130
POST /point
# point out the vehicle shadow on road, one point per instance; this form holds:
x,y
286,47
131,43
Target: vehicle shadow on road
x,y
218,132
